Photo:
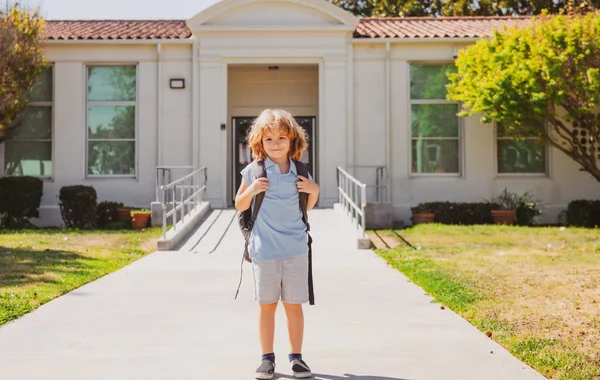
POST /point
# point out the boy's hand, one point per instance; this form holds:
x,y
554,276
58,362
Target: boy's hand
x,y
306,185
259,185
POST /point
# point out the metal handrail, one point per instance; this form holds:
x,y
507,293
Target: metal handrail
x,y
190,189
352,197
163,176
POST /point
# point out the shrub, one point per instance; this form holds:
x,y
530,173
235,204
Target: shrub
x,y
20,199
527,209
78,206
583,213
460,213
106,213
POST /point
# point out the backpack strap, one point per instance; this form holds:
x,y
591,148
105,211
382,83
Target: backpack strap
x,y
259,170
302,169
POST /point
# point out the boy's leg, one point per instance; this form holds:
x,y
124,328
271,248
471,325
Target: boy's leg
x,y
266,327
294,293
295,320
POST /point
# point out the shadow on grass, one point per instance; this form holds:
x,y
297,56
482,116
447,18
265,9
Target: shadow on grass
x,y
23,267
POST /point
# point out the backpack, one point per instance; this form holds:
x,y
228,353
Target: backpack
x,y
247,218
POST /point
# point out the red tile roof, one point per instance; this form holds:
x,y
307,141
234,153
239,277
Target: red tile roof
x,y
429,27
116,29
410,27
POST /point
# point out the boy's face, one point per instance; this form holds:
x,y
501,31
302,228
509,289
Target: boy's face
x,y
276,144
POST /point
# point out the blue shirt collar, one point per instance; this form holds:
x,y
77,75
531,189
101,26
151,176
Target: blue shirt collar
x,y
269,163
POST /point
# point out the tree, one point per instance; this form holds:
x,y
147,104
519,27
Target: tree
x,y
410,8
21,62
541,80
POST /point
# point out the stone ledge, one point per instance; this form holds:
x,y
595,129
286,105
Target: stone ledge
x,y
175,236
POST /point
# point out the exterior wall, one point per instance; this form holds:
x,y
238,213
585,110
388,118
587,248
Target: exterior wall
x,y
479,179
328,50
69,124
252,88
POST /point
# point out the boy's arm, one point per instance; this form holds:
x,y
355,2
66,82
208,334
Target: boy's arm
x,y
312,200
243,198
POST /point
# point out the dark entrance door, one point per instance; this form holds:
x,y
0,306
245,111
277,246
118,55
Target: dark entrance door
x,y
242,155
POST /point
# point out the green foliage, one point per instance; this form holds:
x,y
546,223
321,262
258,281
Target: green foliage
x,y
541,80
107,213
583,213
458,213
78,206
527,209
407,8
505,201
22,62
20,199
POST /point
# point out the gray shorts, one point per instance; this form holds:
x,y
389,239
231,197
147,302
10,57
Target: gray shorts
x,y
281,278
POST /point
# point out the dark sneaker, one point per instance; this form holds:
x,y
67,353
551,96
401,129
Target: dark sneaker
x,y
300,369
265,370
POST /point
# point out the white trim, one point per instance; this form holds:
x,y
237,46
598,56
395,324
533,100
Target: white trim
x,y
159,95
154,41
87,104
461,135
195,104
320,6
270,28
407,40
388,121
224,134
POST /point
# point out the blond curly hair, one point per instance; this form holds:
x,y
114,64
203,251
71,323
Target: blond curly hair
x,y
277,120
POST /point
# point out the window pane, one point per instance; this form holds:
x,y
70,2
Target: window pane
x,y
429,82
435,156
42,89
111,83
434,120
111,157
527,156
28,158
34,122
111,122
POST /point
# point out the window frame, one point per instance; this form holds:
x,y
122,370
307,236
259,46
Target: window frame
x,y
51,104
88,103
460,137
545,174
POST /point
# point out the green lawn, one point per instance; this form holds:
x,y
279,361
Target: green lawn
x,y
37,266
536,291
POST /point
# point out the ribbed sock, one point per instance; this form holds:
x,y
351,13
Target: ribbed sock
x,y
270,357
293,357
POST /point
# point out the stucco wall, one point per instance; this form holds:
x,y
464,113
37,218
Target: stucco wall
x,y
479,179
69,124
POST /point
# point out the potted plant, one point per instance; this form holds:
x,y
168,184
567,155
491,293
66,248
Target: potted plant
x,y
140,218
505,207
422,213
124,213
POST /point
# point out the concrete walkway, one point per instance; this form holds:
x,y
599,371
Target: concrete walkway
x,y
172,315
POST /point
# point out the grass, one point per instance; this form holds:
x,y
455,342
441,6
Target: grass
x,y
536,291
37,266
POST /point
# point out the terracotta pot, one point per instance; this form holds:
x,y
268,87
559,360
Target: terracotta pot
x,y
139,221
423,217
504,216
124,214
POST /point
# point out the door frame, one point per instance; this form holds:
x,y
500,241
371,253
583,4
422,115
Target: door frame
x,y
233,165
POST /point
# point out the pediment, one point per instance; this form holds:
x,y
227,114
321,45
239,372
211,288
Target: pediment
x,y
310,14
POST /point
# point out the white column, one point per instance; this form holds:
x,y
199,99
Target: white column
x,y
213,140
332,126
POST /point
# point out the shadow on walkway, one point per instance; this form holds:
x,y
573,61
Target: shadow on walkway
x,y
346,376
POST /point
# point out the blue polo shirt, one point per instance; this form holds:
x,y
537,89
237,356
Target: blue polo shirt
x,y
278,231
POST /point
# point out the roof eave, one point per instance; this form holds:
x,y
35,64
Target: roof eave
x,y
408,40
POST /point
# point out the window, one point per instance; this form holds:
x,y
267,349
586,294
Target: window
x,y
435,127
111,120
28,147
519,156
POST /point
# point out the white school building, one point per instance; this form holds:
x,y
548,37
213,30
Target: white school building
x,y
125,97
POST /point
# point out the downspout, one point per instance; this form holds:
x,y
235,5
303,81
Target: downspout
x,y
158,117
195,105
388,122
159,104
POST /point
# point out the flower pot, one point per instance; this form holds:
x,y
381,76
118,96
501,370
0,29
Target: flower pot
x,y
504,216
139,221
423,217
124,214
